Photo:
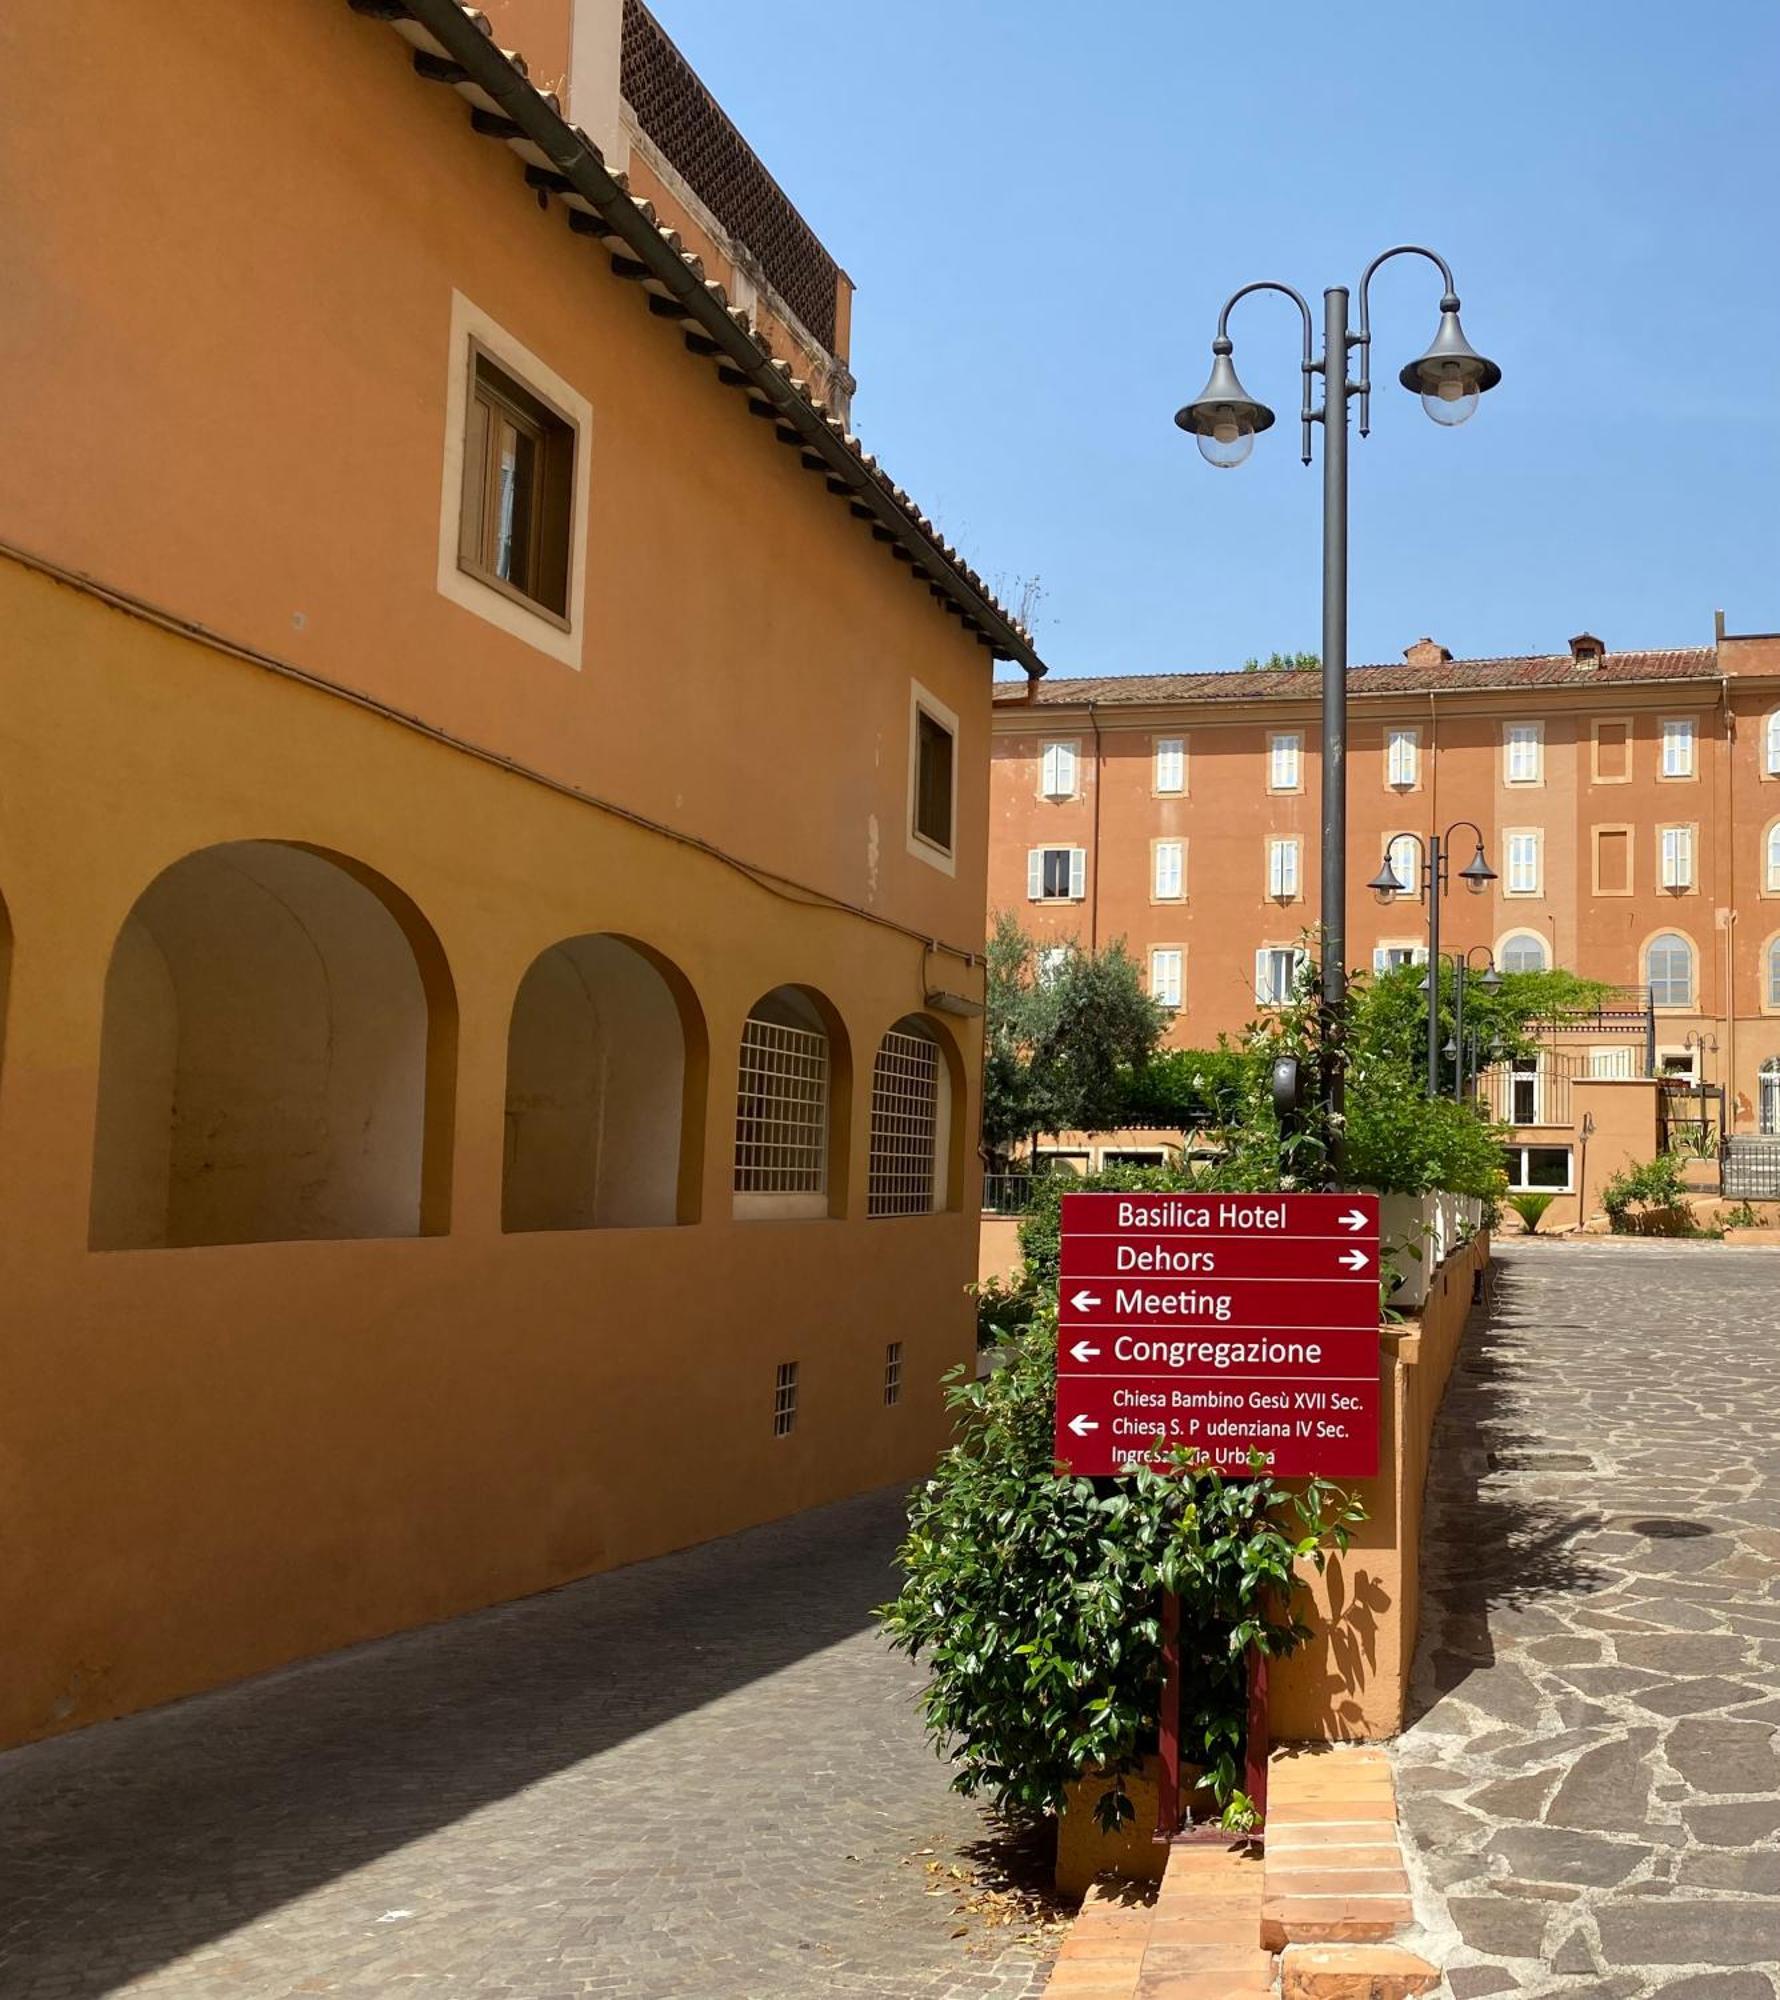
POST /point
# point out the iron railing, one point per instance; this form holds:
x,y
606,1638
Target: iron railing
x,y
1749,1169
1007,1194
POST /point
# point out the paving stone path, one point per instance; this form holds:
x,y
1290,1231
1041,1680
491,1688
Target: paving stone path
x,y
699,1779
1591,1791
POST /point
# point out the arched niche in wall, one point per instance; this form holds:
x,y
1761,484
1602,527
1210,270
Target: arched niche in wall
x,y
794,1090
606,1075
916,1162
277,1057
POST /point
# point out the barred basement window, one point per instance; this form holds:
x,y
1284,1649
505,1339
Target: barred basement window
x,y
893,1373
785,1399
781,1133
905,1122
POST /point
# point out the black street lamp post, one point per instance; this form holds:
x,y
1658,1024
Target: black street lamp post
x,y
1225,420
1477,875
1491,982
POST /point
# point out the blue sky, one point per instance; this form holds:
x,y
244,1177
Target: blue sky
x,y
1044,205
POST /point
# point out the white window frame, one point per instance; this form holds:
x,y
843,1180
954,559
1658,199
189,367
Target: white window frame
x,y
910,1125
1410,872
1511,936
923,700
1270,961
1522,888
1285,754
1405,951
1674,730
1770,859
1168,981
1285,871
1523,753
1051,753
781,1171
1078,873
1770,975
563,640
1688,1005
1403,758
1168,756
1165,871
1676,863
1770,759
1517,1167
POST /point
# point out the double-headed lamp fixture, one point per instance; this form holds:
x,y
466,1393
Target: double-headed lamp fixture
x,y
1224,419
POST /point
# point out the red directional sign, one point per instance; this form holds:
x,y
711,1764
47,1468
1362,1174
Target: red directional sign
x,y
1225,1323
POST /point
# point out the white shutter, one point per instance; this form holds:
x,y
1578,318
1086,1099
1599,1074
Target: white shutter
x,y
1773,870
1165,979
1167,870
1381,959
1677,857
1418,954
1678,747
1283,775
1035,874
1263,966
1772,760
1404,745
1078,870
1171,763
1066,770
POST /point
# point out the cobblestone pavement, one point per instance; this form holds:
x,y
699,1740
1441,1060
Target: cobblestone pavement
x,y
1591,1791
699,1779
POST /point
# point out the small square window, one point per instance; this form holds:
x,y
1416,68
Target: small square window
x,y
519,482
785,1399
933,780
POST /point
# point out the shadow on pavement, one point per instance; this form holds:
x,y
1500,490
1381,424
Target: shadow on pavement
x,y
128,1845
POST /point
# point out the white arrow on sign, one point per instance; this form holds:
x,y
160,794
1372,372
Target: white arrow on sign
x,y
1085,1301
1353,1218
1355,1260
1081,1426
1083,1352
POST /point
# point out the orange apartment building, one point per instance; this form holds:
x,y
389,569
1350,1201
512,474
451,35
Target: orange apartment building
x,y
1629,803
493,832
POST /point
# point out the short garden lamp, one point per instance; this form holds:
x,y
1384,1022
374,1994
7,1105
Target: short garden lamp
x,y
1224,418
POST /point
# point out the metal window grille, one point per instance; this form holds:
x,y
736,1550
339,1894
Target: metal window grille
x,y
785,1399
781,1127
892,1373
904,1124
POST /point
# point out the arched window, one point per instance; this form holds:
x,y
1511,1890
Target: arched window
x,y
791,1099
1768,1098
1523,951
1771,973
605,1091
911,1122
276,1059
1406,863
1668,967
1770,870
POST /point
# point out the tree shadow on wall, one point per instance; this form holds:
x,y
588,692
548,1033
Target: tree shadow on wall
x,y
130,1844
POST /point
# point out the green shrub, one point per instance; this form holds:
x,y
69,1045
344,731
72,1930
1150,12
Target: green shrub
x,y
1531,1209
1652,1198
1004,1308
1034,1599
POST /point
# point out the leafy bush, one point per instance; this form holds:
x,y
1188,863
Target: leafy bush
x,y
1186,1089
1531,1209
1034,1599
1640,1197
1004,1308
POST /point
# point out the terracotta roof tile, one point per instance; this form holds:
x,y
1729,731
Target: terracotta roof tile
x,y
1452,676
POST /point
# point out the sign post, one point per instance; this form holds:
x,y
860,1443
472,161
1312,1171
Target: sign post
x,y
1227,1324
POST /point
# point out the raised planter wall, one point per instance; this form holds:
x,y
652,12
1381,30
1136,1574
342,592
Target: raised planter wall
x,y
1351,1679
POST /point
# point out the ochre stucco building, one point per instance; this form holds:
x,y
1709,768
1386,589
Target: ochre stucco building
x,y
1629,804
493,812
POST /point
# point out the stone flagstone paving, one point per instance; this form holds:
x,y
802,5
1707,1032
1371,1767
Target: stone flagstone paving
x,y
699,1779
1591,1788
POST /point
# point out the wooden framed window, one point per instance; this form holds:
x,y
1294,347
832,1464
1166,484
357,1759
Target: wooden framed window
x,y
933,780
518,491
1403,755
1523,753
1057,771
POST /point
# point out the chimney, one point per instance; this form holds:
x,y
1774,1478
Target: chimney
x,y
1586,651
1425,653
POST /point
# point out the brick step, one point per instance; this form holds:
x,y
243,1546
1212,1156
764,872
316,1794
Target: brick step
x,y
1353,1972
1334,1868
